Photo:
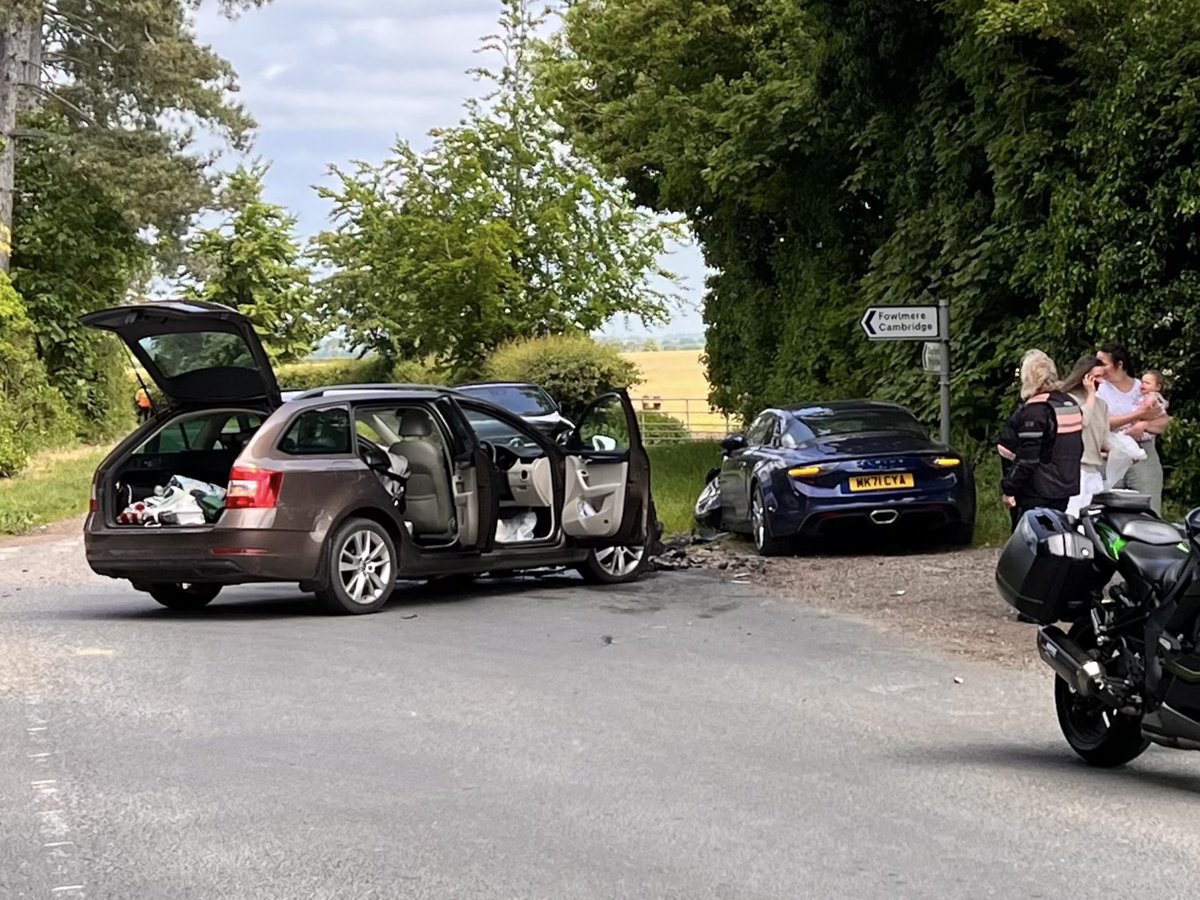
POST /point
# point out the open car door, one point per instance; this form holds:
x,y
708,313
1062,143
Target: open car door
x,y
197,353
606,501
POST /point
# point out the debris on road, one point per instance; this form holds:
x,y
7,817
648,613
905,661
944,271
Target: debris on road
x,y
950,596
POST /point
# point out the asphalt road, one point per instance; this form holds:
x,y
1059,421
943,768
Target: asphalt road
x,y
683,738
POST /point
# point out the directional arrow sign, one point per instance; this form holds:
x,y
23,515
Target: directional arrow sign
x,y
901,323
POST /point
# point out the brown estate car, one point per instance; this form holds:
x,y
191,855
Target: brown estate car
x,y
344,490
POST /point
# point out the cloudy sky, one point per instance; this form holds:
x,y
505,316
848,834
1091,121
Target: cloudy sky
x,y
330,81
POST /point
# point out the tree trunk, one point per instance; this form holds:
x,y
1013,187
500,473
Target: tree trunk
x,y
20,64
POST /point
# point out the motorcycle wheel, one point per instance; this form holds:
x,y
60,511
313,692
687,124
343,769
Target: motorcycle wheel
x,y
1100,735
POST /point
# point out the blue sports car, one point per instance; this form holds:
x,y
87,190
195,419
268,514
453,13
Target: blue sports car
x,y
821,469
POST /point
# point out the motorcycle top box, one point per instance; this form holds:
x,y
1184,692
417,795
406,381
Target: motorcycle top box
x,y
1048,571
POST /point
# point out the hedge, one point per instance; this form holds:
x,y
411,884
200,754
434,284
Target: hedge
x,y
574,369
33,415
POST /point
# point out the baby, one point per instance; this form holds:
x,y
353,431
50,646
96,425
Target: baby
x,y
1152,388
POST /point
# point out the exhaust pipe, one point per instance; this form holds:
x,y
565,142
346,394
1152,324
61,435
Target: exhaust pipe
x,y
884,516
1070,663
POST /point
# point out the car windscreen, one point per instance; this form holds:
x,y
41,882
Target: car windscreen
x,y
523,400
825,423
490,429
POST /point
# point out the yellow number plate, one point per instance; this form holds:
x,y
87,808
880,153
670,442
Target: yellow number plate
x,y
893,482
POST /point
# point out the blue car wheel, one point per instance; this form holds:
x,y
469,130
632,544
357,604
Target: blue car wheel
x,y
760,528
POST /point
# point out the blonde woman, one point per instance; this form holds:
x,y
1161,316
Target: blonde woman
x,y
1041,446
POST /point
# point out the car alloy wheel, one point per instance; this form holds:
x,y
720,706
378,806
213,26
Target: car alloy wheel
x,y
365,567
758,521
620,562
764,542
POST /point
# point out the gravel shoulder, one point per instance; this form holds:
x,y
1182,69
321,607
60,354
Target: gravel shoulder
x,y
946,597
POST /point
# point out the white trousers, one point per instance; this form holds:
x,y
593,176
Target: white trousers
x,y
1090,482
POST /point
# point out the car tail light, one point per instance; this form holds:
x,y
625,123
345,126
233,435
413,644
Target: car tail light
x,y
947,462
93,497
806,471
252,488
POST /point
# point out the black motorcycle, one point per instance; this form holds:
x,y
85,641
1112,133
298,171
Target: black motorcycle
x,y
1128,666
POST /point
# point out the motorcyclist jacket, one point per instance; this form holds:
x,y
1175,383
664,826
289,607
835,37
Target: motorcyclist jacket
x,y
1041,447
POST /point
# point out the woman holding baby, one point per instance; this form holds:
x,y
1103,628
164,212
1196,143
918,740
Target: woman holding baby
x,y
1135,408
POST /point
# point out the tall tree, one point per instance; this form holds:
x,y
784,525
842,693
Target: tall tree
x,y
99,174
119,75
253,262
1033,163
499,231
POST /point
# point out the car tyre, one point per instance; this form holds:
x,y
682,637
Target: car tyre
x,y
184,596
960,534
360,569
765,543
616,565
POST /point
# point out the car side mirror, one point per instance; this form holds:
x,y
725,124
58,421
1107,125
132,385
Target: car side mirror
x,y
1192,523
734,443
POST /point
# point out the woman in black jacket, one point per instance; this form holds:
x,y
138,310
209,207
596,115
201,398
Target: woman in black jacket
x,y
1042,443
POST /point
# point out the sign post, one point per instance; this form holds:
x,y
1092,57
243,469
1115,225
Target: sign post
x,y
917,323
944,377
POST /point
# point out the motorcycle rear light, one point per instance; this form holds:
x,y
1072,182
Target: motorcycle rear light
x,y
253,488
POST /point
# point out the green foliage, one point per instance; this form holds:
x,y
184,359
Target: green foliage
x,y
573,368
304,376
107,178
134,86
75,252
676,478
33,414
497,232
1033,163
660,428
253,263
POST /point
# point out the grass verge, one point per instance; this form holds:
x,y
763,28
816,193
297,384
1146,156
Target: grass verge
x,y
54,486
992,523
677,474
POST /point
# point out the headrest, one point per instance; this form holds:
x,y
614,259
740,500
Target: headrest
x,y
415,423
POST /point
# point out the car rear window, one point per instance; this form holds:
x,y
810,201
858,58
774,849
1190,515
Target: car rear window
x,y
522,400
179,354
208,431
860,421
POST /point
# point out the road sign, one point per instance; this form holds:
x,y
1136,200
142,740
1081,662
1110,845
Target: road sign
x,y
901,323
931,357
930,324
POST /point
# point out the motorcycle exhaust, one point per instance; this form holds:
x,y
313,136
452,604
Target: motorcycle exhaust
x,y
1070,663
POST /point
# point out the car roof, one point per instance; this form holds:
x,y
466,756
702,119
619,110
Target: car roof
x,y
467,385
836,406
368,393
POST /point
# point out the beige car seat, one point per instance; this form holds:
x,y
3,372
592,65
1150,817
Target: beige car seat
x,y
428,500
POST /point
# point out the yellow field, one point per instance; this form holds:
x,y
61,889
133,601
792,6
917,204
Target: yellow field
x,y
673,383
